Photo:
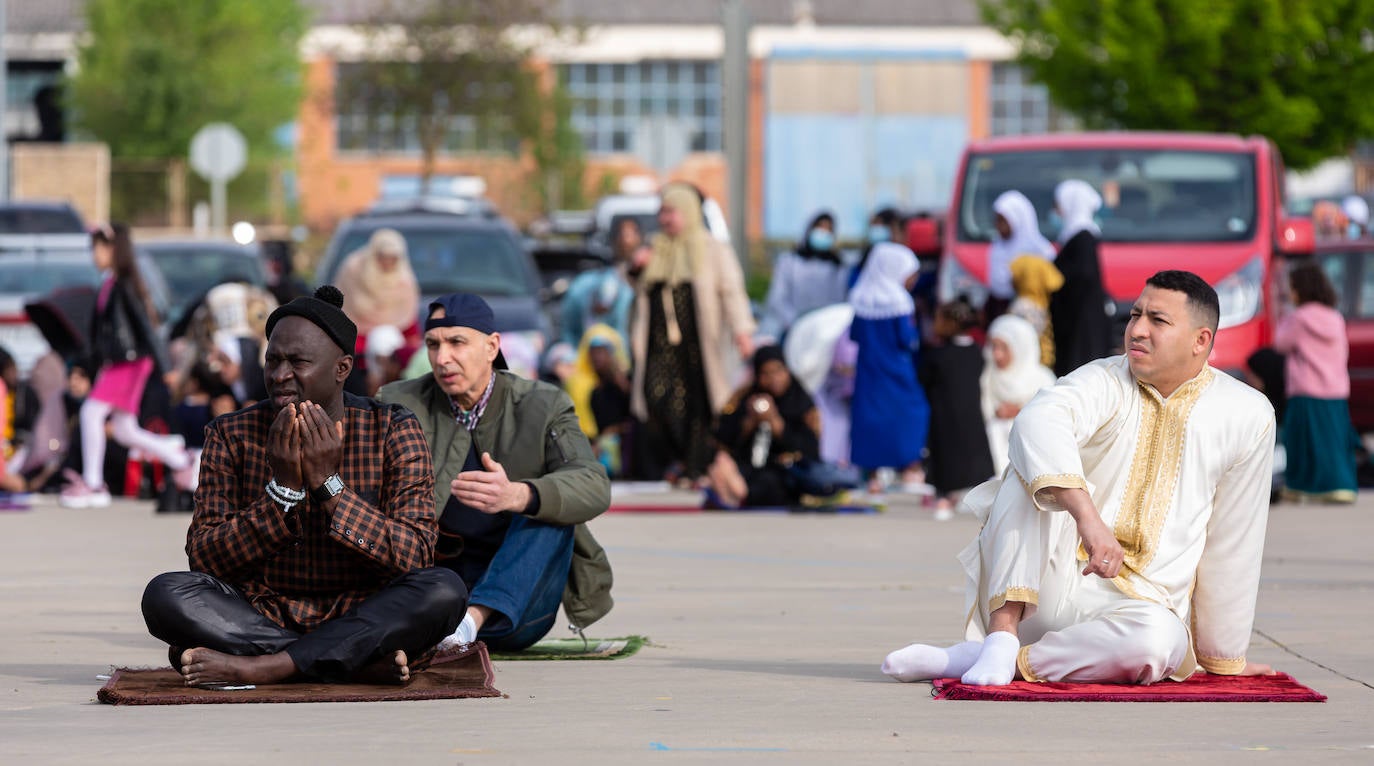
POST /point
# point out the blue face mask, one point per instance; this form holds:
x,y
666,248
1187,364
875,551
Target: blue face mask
x,y
879,233
820,240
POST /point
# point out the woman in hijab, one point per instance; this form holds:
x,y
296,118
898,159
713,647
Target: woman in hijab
x,y
1012,375
691,290
381,289
765,428
1318,437
1018,233
1078,311
889,414
1036,280
810,277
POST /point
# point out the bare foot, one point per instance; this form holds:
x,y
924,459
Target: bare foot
x,y
207,667
388,670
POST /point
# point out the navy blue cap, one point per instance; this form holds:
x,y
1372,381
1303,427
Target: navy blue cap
x,y
465,310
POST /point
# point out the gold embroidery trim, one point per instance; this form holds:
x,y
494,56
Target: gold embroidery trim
x,y
1154,468
1017,593
1062,480
1023,665
1222,666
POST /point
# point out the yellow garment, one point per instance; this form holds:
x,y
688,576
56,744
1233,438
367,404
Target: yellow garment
x,y
1035,279
583,380
676,259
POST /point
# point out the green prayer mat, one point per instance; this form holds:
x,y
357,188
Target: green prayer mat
x,y
576,649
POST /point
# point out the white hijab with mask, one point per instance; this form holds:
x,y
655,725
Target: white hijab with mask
x,y
1077,202
880,291
1025,239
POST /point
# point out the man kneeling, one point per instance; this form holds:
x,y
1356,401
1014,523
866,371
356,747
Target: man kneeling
x,y
314,528
1134,506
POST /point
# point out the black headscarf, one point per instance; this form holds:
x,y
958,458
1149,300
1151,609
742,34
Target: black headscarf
x,y
794,406
1268,366
804,248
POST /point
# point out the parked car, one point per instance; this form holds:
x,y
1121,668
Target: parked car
x,y
610,210
476,253
35,217
191,267
1350,266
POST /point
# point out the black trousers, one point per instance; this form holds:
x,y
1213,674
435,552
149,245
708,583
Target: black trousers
x,y
412,613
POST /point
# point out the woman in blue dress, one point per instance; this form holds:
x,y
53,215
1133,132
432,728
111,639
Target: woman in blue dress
x,y
890,415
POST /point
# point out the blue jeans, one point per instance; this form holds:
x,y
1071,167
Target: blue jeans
x,y
524,583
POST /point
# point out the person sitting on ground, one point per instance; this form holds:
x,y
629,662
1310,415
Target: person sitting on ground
x,y
1148,475
515,482
766,427
313,535
610,402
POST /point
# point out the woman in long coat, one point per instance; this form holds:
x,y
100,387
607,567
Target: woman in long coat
x,y
690,295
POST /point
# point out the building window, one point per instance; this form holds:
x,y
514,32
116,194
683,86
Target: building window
x,y
365,123
624,107
1021,106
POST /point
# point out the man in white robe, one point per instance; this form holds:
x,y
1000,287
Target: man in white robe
x,y
1123,543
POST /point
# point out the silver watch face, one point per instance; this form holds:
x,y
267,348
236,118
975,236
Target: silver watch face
x,y
333,485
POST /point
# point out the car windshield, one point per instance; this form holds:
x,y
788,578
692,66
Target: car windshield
x,y
488,262
28,220
191,271
1148,195
27,277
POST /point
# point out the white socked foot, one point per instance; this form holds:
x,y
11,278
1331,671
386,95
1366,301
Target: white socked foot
x,y
923,662
996,664
464,634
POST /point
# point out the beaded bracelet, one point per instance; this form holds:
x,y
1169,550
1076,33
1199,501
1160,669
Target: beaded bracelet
x,y
286,497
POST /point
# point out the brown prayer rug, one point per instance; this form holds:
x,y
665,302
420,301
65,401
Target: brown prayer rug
x,y
464,673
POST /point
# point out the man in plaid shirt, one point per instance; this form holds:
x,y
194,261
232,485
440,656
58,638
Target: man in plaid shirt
x,y
314,529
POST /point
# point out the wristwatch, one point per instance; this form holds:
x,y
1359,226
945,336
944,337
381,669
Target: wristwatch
x,y
331,488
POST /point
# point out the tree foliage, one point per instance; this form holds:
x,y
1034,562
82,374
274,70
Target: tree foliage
x,y
1297,71
153,72
431,65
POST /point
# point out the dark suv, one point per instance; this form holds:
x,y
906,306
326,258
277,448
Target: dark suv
x,y
452,252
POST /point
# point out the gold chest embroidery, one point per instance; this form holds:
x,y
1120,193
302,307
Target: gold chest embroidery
x,y
1154,469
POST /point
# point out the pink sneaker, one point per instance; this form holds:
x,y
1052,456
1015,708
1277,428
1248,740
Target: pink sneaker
x,y
77,494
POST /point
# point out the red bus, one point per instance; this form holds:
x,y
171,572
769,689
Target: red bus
x,y
1210,204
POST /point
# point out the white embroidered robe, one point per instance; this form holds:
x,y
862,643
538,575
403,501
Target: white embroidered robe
x,y
1183,482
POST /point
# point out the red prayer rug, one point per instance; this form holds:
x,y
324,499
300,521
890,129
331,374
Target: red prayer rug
x,y
1201,687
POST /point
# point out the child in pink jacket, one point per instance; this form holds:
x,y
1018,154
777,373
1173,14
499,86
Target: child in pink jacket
x,y
1317,433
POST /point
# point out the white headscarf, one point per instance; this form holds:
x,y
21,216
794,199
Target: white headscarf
x,y
1356,209
880,291
1025,239
1077,202
1025,375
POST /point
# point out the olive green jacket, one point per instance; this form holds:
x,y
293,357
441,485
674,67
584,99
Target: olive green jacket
x,y
529,427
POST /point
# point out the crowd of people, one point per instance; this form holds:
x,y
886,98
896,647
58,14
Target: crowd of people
x,y
877,386
306,446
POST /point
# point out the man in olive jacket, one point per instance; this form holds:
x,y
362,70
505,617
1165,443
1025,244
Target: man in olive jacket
x,y
515,483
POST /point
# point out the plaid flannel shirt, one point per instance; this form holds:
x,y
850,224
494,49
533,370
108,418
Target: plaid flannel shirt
x,y
309,566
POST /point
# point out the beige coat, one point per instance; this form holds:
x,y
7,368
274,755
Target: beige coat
x,y
721,305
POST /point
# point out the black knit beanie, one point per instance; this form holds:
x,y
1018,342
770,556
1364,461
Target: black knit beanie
x,y
325,310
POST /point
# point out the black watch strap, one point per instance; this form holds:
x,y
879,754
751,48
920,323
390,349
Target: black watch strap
x,y
332,486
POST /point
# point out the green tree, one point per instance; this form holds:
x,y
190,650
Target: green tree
x,y
153,72
1297,71
434,66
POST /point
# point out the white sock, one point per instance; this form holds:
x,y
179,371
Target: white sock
x,y
464,634
923,662
996,664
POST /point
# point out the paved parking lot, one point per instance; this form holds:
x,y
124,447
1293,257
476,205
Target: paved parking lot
x,y
767,629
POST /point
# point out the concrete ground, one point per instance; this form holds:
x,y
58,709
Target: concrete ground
x,y
767,633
